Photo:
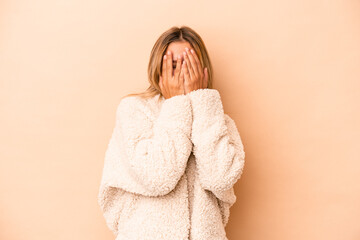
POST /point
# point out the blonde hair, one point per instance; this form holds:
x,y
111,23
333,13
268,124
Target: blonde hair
x,y
174,34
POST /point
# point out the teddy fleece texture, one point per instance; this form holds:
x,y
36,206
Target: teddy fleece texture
x,y
170,167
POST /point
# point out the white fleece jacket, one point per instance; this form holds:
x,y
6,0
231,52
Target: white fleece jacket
x,y
170,168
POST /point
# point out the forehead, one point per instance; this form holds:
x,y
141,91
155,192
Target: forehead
x,y
177,48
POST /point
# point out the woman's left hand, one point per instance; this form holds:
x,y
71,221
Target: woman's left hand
x,y
195,77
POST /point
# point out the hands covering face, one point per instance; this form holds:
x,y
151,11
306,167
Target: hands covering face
x,y
187,76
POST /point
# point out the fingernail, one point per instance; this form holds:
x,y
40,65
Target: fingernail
x,y
192,50
186,49
168,52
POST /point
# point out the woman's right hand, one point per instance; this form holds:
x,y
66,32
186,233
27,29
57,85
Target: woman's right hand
x,y
171,82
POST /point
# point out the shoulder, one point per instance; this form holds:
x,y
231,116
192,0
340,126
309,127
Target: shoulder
x,y
131,102
134,107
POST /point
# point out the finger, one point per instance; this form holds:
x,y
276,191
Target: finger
x,y
186,72
181,78
163,72
192,64
187,60
178,68
169,65
198,64
206,77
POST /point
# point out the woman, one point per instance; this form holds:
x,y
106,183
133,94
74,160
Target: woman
x,y
174,155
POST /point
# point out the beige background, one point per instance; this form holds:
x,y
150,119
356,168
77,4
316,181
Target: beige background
x,y
288,73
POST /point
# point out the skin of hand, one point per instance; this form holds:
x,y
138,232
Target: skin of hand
x,y
187,76
195,77
171,84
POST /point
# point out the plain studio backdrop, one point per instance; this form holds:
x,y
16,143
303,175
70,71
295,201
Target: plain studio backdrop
x,y
288,73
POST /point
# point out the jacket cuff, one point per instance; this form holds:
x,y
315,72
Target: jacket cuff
x,y
175,114
207,110
206,101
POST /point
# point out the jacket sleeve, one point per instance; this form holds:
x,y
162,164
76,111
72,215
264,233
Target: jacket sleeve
x,y
218,148
146,154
